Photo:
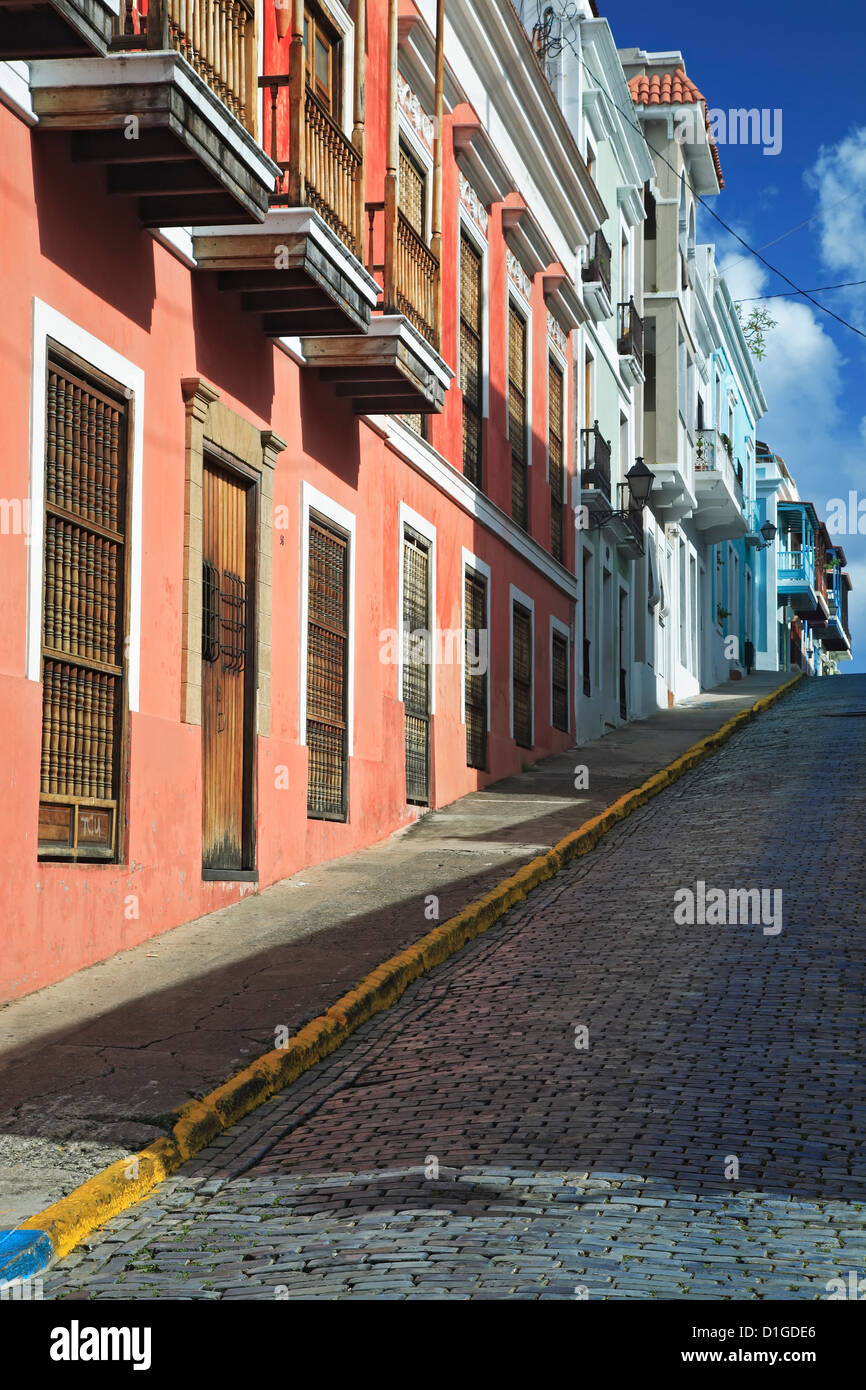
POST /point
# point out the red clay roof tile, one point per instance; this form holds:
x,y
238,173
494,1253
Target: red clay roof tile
x,y
673,89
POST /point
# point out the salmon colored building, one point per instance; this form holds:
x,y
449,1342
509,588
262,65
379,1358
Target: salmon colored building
x,y
288,303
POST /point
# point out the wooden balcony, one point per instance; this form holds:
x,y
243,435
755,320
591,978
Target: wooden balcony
x,y
171,113
417,281
56,28
392,370
293,270
301,270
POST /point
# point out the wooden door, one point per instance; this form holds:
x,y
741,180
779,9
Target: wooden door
x,y
227,687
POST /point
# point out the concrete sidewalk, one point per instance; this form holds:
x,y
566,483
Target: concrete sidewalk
x,y
92,1068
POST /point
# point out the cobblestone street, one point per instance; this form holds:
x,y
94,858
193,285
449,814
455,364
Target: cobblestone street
x,y
706,1142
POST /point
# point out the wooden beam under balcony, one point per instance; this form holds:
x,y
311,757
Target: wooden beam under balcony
x,y
54,28
164,134
295,271
392,370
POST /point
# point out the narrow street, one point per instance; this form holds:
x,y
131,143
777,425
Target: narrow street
x,y
466,1144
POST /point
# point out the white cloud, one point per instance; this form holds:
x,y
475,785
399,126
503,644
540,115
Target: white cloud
x,y
839,179
812,420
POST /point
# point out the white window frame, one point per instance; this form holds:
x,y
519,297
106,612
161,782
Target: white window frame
x,y
516,595
468,561
427,531
314,501
562,629
49,323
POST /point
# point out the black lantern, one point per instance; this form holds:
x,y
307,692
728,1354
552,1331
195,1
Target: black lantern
x,y
768,531
640,481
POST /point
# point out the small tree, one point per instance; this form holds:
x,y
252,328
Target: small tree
x,y
755,326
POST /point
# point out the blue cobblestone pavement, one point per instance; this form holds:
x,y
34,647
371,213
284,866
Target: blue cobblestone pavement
x,y
706,1142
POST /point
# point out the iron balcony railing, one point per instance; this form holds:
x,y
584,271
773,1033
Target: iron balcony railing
x,y
630,340
597,267
595,472
713,455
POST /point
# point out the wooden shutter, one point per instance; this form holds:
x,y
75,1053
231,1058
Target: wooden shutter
x,y
559,681
83,615
475,683
327,673
412,196
522,675
517,414
471,368
555,394
416,665
323,54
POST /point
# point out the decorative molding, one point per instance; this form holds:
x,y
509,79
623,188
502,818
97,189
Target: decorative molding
x,y
517,275
472,203
409,104
556,334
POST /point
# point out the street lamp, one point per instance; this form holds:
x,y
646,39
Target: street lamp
x,y
638,485
640,481
768,531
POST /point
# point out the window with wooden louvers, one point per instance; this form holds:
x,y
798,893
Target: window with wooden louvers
x,y
412,195
517,415
555,393
475,679
327,673
83,615
521,686
559,681
416,665
471,369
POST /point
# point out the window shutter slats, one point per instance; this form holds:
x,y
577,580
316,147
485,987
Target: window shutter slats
x,y
517,415
83,600
327,673
471,369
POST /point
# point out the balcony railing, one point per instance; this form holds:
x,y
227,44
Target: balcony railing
x,y
417,272
596,460
713,455
217,38
795,564
597,268
332,178
630,341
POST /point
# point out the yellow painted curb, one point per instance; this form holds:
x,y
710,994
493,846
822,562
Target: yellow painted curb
x,y
197,1123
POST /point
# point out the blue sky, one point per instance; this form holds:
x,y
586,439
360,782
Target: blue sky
x,y
808,61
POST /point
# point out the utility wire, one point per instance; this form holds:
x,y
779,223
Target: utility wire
x,y
786,294
631,119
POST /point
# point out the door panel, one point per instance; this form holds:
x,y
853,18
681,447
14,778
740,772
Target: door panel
x,y
226,624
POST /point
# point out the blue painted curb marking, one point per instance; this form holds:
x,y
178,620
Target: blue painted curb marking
x,y
23,1254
